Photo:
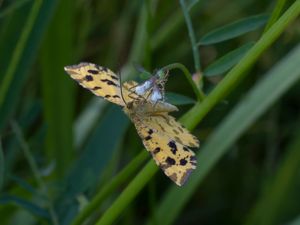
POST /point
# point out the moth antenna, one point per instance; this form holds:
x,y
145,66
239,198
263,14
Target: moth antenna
x,y
121,89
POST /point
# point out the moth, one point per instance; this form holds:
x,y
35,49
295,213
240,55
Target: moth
x,y
167,140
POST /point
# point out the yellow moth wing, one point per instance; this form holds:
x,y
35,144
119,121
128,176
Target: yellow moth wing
x,y
99,80
175,159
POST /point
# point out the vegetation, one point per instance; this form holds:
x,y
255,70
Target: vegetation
x,y
68,157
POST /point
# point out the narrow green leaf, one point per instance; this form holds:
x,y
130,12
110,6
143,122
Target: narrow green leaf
x,y
57,87
271,205
177,99
279,7
25,204
233,30
100,147
257,101
227,61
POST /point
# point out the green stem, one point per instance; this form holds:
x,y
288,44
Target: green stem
x,y
116,182
199,94
128,194
191,35
8,77
275,14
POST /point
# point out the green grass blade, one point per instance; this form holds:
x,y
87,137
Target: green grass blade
x,y
233,30
279,7
98,151
257,102
57,87
271,205
227,61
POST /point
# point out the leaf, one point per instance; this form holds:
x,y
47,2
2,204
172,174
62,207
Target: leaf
x,y
98,151
177,99
227,61
273,203
57,88
234,29
29,206
257,101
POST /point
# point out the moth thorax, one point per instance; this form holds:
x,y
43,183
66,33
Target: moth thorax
x,y
143,88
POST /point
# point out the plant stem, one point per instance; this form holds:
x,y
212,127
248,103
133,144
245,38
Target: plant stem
x,y
275,14
192,36
129,193
199,94
116,182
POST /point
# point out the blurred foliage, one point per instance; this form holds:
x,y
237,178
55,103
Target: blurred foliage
x,y
67,157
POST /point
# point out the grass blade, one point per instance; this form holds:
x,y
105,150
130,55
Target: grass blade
x,y
58,89
271,205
